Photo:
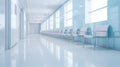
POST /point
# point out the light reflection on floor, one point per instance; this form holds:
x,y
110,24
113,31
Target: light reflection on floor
x,y
43,51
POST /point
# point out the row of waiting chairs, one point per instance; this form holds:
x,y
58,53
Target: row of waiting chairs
x,y
103,31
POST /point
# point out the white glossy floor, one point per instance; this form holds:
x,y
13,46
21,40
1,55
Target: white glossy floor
x,y
43,51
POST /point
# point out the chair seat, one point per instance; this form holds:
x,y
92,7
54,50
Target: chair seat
x,y
74,35
88,36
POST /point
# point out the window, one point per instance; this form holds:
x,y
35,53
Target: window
x,y
47,25
58,19
96,11
68,14
43,26
51,22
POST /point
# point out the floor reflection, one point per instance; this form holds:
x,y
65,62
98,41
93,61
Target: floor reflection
x,y
58,52
43,51
68,58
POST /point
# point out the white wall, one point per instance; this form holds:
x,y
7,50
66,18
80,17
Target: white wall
x,y
2,25
14,22
2,32
34,28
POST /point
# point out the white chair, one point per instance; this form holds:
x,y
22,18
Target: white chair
x,y
82,33
75,34
103,31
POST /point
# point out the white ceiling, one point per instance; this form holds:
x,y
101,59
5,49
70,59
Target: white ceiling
x,y
39,10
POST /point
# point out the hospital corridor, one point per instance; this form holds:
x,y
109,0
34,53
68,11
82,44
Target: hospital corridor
x,y
59,33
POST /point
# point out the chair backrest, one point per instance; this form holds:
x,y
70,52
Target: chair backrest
x,y
59,31
83,31
74,31
65,31
70,31
102,31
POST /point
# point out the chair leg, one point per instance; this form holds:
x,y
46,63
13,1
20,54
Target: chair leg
x,y
108,42
84,40
95,43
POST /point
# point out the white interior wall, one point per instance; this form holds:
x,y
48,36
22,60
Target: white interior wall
x,y
2,25
14,22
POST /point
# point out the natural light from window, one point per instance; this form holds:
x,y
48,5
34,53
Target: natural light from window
x,y
68,14
58,19
96,11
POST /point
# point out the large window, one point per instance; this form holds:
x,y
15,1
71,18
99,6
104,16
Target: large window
x,y
43,27
58,19
68,14
47,25
51,22
96,11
